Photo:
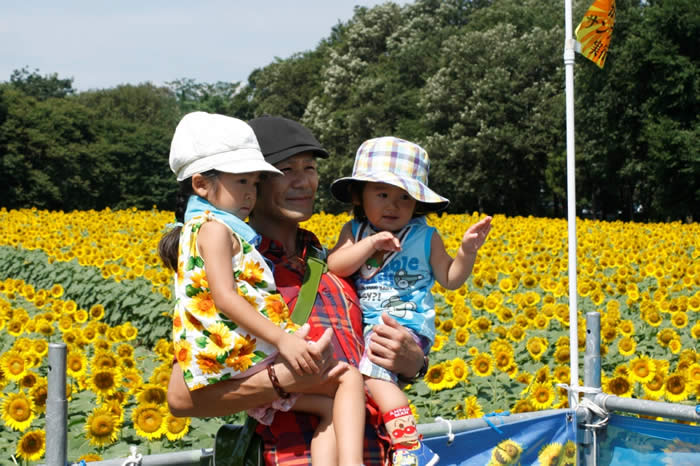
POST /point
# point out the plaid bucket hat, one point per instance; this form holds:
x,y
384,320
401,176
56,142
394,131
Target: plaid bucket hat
x,y
394,161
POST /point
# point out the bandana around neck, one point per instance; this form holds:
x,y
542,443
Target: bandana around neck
x,y
198,206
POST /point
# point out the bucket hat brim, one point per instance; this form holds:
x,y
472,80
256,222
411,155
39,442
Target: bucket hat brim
x,y
429,199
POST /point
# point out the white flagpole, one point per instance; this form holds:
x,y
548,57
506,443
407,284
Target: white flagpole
x,y
569,54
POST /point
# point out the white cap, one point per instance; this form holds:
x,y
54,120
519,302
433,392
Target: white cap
x,y
205,141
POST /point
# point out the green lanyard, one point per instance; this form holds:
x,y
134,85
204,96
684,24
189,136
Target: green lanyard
x,y
309,287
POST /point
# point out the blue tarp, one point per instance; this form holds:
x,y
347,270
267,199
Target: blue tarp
x,y
631,441
548,440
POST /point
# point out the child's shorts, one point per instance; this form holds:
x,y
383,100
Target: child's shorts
x,y
266,414
371,369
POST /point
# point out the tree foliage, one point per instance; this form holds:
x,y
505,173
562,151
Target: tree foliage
x,y
478,83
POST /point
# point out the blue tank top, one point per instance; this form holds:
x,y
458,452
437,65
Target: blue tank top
x,y
399,283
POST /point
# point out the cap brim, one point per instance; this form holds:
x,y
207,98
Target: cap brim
x,y
428,198
292,151
239,161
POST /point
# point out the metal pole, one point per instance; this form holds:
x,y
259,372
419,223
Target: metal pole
x,y
56,407
591,380
569,54
648,407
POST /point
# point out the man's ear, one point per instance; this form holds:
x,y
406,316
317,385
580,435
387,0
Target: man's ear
x,y
201,185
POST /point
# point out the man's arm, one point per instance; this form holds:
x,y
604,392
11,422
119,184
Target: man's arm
x,y
392,346
234,395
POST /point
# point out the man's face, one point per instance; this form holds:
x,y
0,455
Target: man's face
x,y
289,197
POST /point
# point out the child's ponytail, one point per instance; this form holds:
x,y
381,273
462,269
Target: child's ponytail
x,y
170,242
168,247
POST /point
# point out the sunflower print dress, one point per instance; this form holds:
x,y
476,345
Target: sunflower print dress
x,y
209,346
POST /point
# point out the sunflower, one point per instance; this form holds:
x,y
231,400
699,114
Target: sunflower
x,y
102,426
626,346
665,336
522,406
482,365
151,393
125,350
459,369
516,333
97,312
81,316
89,457
131,379
39,392
176,427
504,314
481,325
103,360
626,327
693,374
462,337
550,454
435,376
541,322
32,445
472,408
562,374
161,375
679,319
676,388
28,380
104,382
439,342
17,411
149,420
503,359
641,369
208,363
675,346
56,291
15,327
536,346
76,364
620,386
13,365
542,395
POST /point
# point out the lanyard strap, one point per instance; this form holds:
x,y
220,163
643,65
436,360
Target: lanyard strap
x,y
309,288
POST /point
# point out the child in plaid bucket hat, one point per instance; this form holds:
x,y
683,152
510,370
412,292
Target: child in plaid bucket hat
x,y
394,258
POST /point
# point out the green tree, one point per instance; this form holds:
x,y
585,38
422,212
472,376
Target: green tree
x,y
41,87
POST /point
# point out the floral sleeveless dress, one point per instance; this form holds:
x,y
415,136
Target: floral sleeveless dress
x,y
208,346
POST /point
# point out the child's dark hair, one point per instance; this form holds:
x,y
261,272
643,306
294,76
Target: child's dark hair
x,y
170,242
358,211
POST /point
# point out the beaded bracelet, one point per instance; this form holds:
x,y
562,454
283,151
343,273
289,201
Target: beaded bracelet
x,y
275,381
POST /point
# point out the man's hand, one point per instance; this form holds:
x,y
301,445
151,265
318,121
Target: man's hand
x,y
393,347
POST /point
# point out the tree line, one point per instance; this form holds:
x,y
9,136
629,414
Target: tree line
x,y
478,83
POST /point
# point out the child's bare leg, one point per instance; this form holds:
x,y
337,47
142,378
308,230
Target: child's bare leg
x,y
323,445
348,398
349,417
393,404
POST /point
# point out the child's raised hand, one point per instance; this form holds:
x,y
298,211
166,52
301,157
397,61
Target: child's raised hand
x,y
385,241
299,354
475,236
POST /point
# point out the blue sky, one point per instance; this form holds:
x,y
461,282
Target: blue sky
x,y
102,44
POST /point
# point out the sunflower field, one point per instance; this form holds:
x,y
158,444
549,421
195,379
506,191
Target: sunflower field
x,y
93,279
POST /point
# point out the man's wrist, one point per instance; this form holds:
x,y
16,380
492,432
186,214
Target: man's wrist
x,y
421,372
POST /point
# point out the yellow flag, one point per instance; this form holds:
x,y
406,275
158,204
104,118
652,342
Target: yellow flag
x,y
595,29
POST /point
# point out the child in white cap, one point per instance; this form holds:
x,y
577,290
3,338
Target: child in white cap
x,y
229,320
394,258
